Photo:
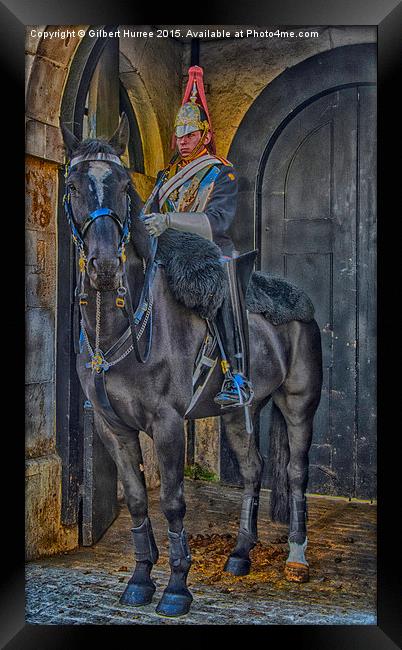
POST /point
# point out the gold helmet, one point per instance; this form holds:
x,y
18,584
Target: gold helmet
x,y
193,114
189,119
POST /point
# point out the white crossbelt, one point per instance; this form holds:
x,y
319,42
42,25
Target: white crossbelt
x,y
184,174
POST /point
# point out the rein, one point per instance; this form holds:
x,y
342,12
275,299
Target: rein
x,y
143,313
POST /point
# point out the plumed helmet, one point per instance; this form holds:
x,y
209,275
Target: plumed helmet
x,y
193,114
189,119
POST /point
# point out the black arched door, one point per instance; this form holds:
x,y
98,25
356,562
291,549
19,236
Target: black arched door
x,y
314,216
316,207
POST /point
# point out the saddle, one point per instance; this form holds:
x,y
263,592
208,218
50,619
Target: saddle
x,y
196,278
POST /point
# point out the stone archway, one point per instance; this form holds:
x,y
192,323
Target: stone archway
x,y
145,115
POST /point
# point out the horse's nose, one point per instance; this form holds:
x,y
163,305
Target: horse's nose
x,y
104,273
105,266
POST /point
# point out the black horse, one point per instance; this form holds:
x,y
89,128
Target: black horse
x,y
129,396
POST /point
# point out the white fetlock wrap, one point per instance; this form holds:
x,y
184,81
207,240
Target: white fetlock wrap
x,y
296,553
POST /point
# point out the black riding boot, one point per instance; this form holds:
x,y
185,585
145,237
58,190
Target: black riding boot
x,y
177,599
232,325
140,588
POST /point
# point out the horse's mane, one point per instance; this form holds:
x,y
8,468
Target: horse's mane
x,y
140,239
92,146
139,236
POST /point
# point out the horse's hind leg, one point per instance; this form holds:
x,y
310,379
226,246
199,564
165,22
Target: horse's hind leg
x,y
170,446
124,447
295,404
299,424
250,465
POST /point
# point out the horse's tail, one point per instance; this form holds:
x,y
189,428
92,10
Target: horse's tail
x,y
278,459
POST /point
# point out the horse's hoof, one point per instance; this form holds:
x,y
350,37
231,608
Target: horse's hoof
x,y
174,604
137,594
237,566
296,572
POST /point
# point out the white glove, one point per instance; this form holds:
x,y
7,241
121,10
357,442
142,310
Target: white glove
x,y
156,223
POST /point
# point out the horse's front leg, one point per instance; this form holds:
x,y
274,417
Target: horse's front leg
x,y
124,447
250,465
170,447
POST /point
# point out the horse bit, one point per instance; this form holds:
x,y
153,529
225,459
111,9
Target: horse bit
x,y
143,312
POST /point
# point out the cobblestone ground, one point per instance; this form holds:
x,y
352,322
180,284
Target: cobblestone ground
x,y
84,586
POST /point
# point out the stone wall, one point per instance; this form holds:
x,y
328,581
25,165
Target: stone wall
x,y
44,532
47,66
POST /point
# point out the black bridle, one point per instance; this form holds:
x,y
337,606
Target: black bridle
x,y
78,234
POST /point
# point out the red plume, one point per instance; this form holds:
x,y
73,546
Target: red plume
x,y
196,74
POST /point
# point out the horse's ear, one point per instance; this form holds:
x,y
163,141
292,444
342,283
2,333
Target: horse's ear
x,y
71,142
119,139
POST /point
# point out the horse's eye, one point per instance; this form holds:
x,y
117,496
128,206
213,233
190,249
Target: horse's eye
x,y
72,187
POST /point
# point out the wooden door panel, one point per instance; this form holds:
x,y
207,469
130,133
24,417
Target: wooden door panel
x,y
342,397
308,215
99,493
307,237
366,257
311,162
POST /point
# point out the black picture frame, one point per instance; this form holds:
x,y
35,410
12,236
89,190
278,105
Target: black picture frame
x,y
387,15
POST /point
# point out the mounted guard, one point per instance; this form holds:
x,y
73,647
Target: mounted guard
x,y
116,238
197,193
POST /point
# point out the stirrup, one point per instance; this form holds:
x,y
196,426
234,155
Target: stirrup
x,y
236,391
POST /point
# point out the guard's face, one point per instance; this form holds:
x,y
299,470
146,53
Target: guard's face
x,y
187,143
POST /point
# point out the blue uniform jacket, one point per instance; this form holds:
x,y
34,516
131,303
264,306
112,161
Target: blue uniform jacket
x,y
220,208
